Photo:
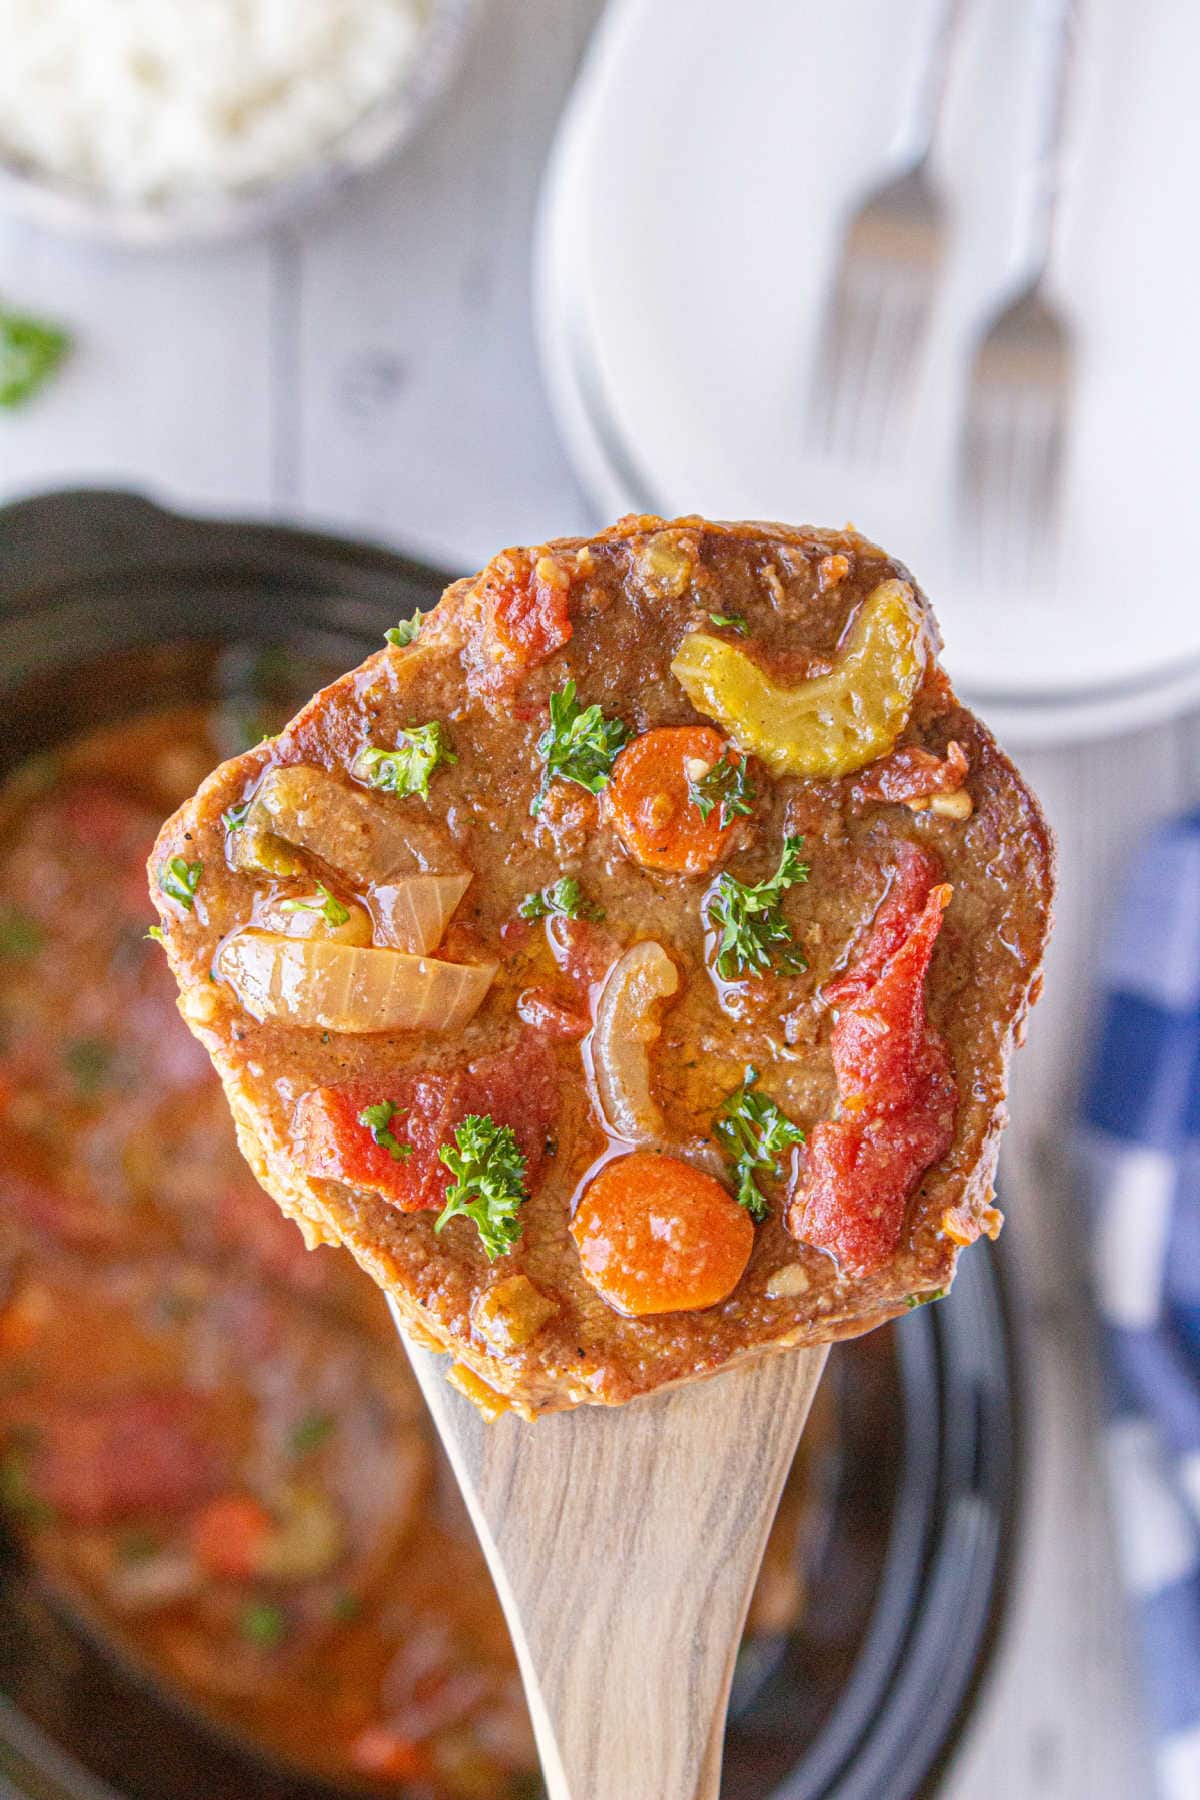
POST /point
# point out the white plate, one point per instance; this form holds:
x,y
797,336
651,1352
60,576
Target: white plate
x,y
689,220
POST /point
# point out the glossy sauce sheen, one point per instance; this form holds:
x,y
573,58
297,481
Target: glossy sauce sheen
x,y
611,615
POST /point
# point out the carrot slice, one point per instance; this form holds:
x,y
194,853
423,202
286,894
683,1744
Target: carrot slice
x,y
228,1536
656,1235
652,807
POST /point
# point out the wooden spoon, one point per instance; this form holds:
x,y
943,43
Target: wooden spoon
x,y
624,1543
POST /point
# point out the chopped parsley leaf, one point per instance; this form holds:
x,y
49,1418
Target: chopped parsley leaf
x,y
156,933
731,621
564,900
754,1134
327,904
346,1606
377,1119
234,817
915,1300
179,880
407,768
727,785
30,351
263,1624
580,745
309,1433
489,1182
751,922
20,936
407,631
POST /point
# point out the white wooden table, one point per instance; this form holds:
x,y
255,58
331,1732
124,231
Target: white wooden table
x,y
374,370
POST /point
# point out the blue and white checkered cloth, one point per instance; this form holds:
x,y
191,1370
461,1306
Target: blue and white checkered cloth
x,y
1142,1156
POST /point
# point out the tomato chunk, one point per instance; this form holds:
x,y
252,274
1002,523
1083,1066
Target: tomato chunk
x,y
910,773
98,1460
895,1086
518,1089
228,1536
651,803
656,1235
522,617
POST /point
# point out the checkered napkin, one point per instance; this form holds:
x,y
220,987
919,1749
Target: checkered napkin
x,y
1141,1132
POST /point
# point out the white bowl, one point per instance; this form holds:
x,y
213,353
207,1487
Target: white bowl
x,y
377,135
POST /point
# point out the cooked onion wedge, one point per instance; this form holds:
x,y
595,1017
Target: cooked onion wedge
x,y
326,986
364,837
412,913
627,1024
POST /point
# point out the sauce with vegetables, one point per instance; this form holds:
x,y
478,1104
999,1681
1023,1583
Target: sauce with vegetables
x,y
209,1439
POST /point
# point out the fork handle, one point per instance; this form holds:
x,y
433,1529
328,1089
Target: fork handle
x,y
935,48
1058,23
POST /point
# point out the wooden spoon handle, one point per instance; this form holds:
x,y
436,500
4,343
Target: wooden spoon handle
x,y
624,1544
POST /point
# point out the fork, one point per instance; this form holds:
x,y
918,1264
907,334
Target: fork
x,y
1018,404
879,303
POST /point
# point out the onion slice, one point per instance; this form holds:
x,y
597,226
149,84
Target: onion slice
x,y
364,837
627,1024
317,984
413,913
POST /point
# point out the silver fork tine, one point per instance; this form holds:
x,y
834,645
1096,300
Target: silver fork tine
x,y
881,295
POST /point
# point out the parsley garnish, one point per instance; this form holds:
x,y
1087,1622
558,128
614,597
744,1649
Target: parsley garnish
x,y
30,351
20,937
754,1134
346,1606
156,932
581,745
180,879
407,631
263,1624
751,922
489,1181
407,768
309,1433
731,621
728,785
332,909
914,1300
234,817
564,900
377,1120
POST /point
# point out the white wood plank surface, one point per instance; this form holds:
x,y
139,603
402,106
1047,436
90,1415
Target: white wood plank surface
x,y
374,369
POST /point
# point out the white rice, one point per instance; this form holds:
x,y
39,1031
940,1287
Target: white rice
x,y
150,100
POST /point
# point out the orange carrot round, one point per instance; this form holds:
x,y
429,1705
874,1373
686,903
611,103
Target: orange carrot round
x,y
656,1235
229,1534
650,799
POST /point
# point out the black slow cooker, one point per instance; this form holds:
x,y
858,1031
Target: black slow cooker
x,y
109,606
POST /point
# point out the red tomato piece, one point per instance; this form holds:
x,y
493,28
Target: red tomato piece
x,y
228,1536
896,1087
549,1013
98,1460
518,1089
523,617
916,869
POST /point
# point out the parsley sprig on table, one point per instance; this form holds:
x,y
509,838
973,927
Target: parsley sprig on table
x,y
580,745
565,900
179,880
333,910
727,785
407,631
407,768
30,351
489,1182
755,936
754,1134
377,1119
